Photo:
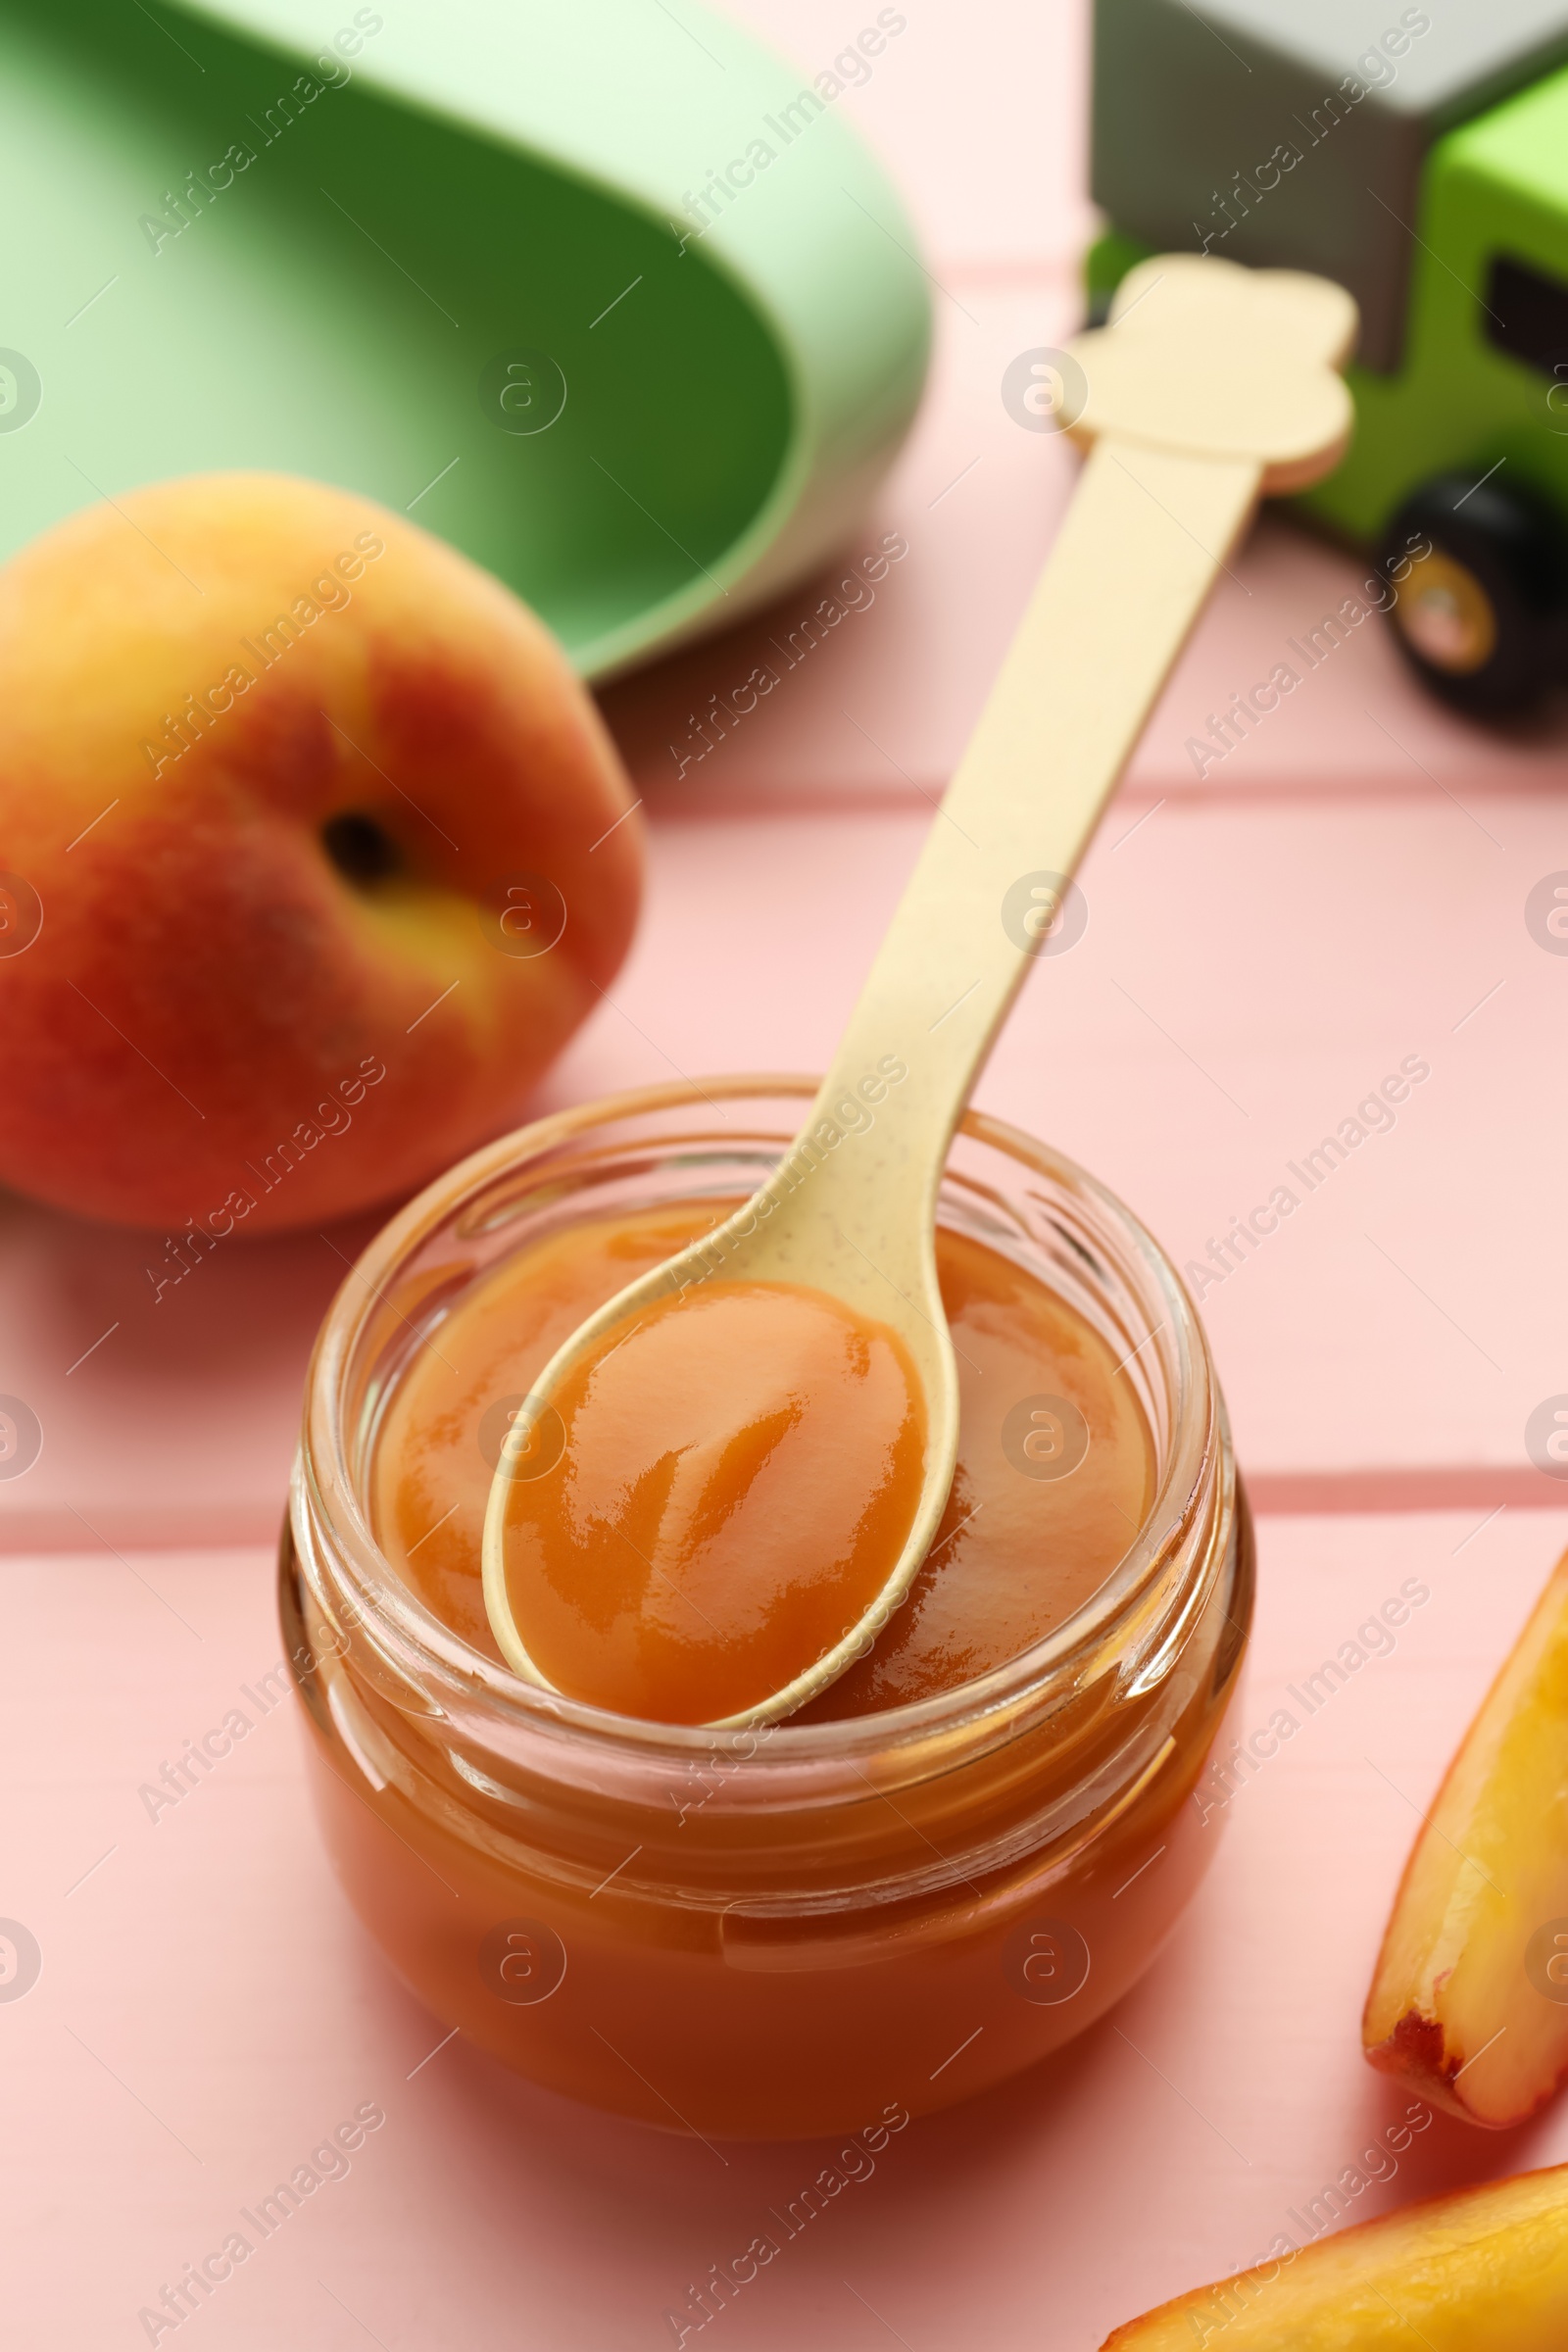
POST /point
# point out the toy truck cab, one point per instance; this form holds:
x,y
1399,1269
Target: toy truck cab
x,y
1423,162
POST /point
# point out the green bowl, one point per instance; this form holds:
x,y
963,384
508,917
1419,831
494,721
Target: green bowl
x,y
599,290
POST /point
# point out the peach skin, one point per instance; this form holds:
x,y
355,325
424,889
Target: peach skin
x,y
1485,2265
312,854
1469,2003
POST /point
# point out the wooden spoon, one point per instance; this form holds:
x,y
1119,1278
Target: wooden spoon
x,y
1212,386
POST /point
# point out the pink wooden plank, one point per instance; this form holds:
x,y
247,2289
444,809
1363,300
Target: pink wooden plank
x,y
208,2011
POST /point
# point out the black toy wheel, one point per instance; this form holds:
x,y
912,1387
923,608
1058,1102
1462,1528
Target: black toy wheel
x,y
1480,576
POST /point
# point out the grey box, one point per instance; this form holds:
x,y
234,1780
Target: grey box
x,y
1292,133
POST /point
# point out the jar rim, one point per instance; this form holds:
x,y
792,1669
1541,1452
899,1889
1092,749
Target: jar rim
x,y
325,1483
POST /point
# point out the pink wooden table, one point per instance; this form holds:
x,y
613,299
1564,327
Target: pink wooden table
x,y
1265,943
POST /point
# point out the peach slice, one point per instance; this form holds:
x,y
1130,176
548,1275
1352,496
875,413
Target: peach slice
x,y
1469,2003
1485,2265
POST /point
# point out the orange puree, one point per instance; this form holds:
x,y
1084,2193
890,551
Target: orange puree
x,y
741,1472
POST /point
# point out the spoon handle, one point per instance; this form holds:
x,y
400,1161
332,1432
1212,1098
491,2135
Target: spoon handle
x,y
1145,534
1212,385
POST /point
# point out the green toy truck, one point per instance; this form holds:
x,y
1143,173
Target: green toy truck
x,y
1419,155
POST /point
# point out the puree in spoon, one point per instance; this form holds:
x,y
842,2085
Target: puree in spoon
x,y
738,1476
754,1452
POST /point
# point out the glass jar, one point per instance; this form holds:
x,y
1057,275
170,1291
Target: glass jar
x,y
796,1930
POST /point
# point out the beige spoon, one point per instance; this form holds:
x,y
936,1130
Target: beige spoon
x,y
1212,385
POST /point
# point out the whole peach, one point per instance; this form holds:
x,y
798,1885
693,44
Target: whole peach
x,y
310,857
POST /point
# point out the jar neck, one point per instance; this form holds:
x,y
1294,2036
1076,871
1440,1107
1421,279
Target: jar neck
x,y
878,1810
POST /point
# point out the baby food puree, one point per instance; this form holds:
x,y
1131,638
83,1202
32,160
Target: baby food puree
x,y
733,1479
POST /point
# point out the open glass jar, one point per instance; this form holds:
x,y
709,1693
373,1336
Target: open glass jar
x,y
788,1930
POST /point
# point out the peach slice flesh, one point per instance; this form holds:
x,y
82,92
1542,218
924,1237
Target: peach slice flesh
x,y
1469,2002
1487,2266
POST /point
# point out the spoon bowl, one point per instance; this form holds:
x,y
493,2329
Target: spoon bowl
x,y
833,1217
